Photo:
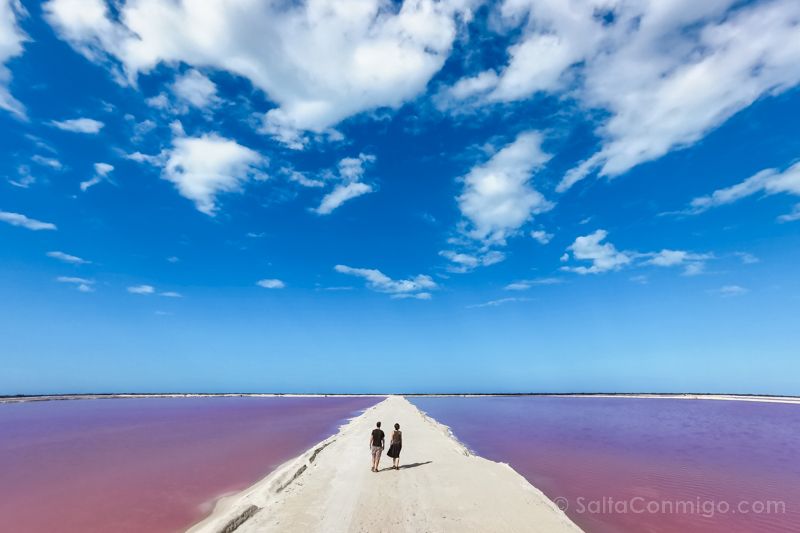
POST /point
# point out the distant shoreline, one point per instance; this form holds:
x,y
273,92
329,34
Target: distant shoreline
x,y
768,398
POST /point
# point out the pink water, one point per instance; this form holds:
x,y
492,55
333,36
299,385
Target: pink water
x,y
155,465
644,465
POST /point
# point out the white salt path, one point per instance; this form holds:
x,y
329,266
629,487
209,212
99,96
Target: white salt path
x,y
441,487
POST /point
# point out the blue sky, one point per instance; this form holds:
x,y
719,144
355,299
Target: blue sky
x,y
524,195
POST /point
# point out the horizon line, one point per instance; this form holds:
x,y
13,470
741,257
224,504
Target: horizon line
x,y
465,393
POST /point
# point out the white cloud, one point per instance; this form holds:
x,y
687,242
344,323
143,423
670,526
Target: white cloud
x,y
542,237
497,198
176,127
82,284
141,129
79,125
47,162
340,194
320,61
203,167
416,287
350,171
11,41
101,172
498,302
731,290
693,263
67,258
271,284
195,89
142,289
170,294
415,296
353,168
159,101
103,169
17,219
664,73
467,88
302,179
156,160
525,284
747,258
25,178
694,269
464,262
668,85
792,215
603,256
767,182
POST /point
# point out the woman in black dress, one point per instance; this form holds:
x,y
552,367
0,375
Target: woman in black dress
x,y
396,446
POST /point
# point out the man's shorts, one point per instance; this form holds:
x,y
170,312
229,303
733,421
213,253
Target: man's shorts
x,y
376,452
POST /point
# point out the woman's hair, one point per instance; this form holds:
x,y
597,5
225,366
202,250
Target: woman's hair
x,y
397,426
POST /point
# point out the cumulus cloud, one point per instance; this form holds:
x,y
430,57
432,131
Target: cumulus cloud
x,y
498,197
605,257
541,236
11,41
320,61
350,172
767,182
416,287
17,219
271,284
664,73
101,172
67,258
195,89
81,284
79,125
203,167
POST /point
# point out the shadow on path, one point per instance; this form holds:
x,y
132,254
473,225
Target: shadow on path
x,y
403,467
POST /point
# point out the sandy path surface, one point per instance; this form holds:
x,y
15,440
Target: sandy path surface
x,y
439,488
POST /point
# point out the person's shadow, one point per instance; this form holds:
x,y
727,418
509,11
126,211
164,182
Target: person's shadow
x,y
414,465
409,465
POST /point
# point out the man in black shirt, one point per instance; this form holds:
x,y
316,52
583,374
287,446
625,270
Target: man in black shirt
x,y
376,446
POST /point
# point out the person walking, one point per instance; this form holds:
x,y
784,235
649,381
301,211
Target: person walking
x,y
395,447
376,441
